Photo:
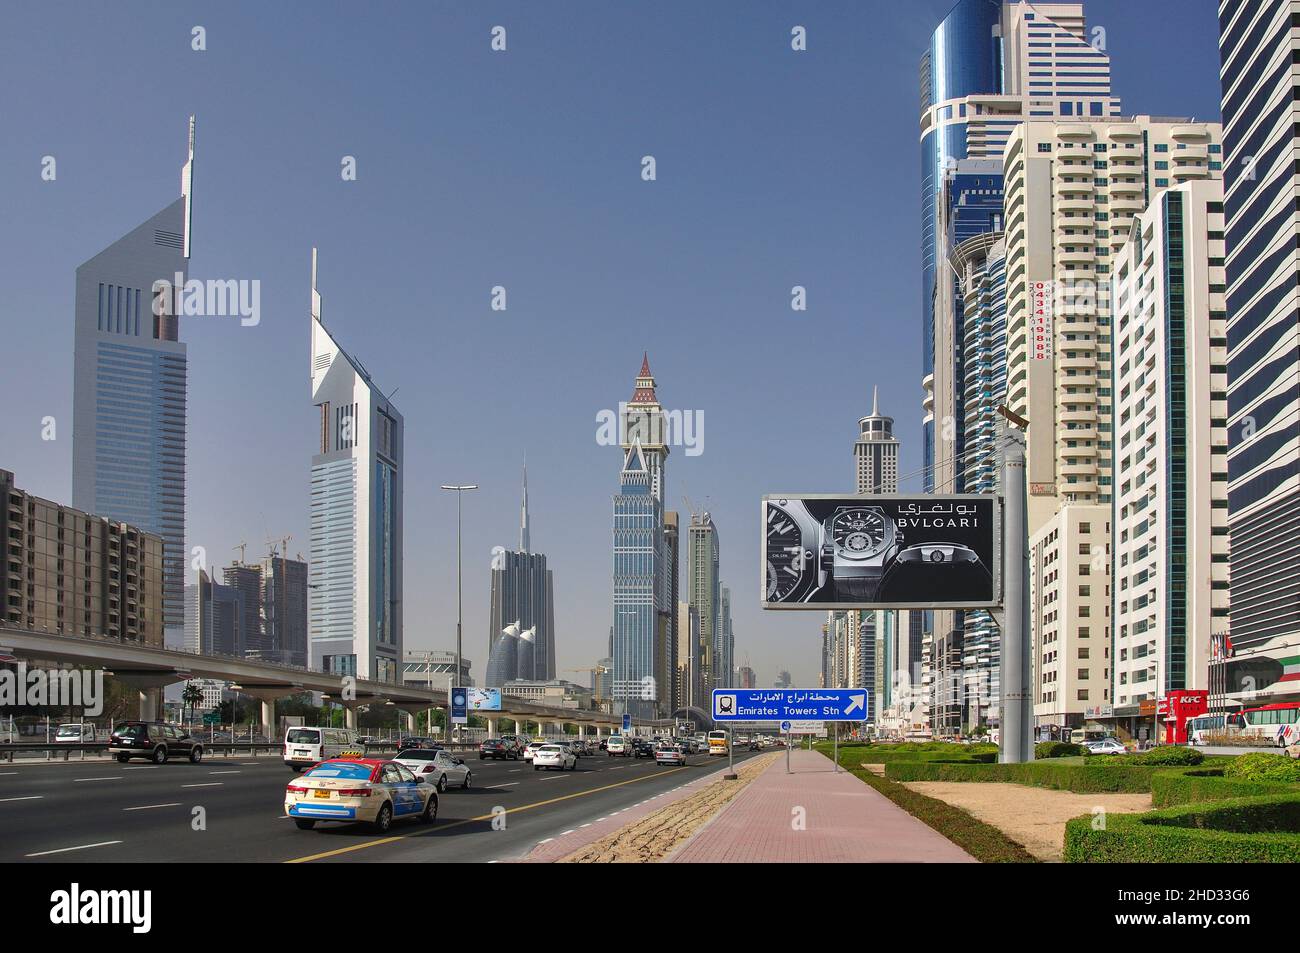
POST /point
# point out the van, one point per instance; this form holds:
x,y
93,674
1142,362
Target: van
x,y
304,747
74,733
618,746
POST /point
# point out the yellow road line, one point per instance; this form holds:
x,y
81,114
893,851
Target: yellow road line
x,y
473,820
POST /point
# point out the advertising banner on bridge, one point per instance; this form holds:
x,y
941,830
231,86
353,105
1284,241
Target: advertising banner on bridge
x,y
485,699
889,551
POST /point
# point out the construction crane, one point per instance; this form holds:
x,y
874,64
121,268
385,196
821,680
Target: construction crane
x,y
283,547
243,545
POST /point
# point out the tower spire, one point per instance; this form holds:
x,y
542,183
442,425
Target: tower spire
x,y
315,295
187,191
875,403
523,513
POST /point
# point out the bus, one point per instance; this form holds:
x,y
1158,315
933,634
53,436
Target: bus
x,y
1278,723
1202,725
717,742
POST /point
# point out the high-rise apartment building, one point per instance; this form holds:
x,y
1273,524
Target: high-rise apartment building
x,y
247,579
284,610
670,665
1170,549
704,592
875,453
129,386
356,515
725,647
75,573
686,689
641,681
216,615
1259,43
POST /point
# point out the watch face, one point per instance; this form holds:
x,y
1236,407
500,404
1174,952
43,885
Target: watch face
x,y
859,532
785,555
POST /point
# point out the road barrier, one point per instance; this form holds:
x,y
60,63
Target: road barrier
x,y
228,748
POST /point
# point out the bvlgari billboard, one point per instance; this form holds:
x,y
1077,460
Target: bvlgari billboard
x,y
822,551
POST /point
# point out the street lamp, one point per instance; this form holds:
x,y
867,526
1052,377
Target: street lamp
x,y
460,491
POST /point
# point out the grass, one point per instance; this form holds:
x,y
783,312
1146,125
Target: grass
x,y
982,841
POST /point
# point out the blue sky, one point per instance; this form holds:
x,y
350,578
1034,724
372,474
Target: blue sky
x,y
519,169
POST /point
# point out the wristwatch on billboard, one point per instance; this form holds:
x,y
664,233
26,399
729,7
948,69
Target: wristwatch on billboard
x,y
858,544
791,550
924,572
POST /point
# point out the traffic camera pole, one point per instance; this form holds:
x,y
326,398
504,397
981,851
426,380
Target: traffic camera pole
x,y
1016,728
731,758
835,733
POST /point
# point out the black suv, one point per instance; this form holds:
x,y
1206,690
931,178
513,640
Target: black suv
x,y
153,740
642,748
497,749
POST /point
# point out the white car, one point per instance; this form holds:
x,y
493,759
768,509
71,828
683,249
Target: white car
x,y
531,749
74,733
669,753
1106,746
359,789
440,768
554,756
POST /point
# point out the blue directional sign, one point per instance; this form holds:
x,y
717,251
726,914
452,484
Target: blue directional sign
x,y
785,727
789,704
459,706
627,722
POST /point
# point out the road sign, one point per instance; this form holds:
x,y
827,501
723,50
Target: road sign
x,y
817,728
212,718
459,704
790,704
627,722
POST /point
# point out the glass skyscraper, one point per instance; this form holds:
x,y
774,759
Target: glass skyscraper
x,y
522,600
129,387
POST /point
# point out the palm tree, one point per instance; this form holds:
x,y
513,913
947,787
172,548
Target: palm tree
x,y
191,697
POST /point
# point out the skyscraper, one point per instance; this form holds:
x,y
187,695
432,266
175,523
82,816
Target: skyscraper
x,y
1257,46
522,594
726,644
356,515
704,592
876,451
129,386
284,609
247,579
639,572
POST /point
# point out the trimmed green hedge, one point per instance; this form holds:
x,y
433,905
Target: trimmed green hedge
x,y
1193,834
1058,749
1171,788
1173,757
1080,778
1264,767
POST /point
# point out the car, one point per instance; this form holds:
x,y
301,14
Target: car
x,y
498,749
643,748
305,746
418,742
668,753
515,744
753,744
371,790
440,768
74,733
579,747
618,746
554,756
153,740
531,750
602,744
1106,746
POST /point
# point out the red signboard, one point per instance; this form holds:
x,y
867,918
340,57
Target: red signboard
x,y
1177,708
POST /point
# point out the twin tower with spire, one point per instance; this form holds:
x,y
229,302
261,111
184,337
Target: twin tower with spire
x,y
521,623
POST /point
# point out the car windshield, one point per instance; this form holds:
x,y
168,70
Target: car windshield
x,y
129,731
549,748
417,754
341,769
303,736
69,729
492,741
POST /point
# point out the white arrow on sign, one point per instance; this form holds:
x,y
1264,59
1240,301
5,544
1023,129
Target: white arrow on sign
x,y
855,703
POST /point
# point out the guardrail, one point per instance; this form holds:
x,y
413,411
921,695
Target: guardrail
x,y
228,748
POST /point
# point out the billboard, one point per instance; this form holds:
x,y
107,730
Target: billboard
x,y
485,699
890,551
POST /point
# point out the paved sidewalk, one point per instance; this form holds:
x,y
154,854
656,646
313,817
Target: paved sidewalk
x,y
845,821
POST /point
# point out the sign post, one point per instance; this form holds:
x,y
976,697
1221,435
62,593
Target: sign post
x,y
788,704
627,722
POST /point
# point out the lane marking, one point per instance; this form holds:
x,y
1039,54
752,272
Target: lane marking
x,y
111,777
30,797
225,772
64,850
474,820
209,784
150,807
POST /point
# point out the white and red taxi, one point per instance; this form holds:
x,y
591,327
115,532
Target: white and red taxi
x,y
371,790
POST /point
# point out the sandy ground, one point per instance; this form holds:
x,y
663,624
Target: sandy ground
x,y
657,835
1032,817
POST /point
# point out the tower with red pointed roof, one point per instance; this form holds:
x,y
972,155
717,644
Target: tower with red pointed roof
x,y
644,423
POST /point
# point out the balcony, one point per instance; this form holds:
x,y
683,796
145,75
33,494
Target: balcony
x,y
1127,204
1073,150
1119,187
1073,132
1124,132
1079,416
1076,254
1190,132
1075,203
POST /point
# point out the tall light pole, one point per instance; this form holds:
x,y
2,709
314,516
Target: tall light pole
x,y
455,678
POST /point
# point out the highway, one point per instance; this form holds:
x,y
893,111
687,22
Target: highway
x,y
86,812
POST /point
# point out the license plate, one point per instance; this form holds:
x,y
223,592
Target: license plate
x,y
320,794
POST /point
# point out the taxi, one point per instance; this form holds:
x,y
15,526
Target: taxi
x,y
371,790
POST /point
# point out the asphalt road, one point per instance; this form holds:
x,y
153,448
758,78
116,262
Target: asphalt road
x,y
108,812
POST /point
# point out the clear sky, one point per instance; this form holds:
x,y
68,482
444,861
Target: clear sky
x,y
520,169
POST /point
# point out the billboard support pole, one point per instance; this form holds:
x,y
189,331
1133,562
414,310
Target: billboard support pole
x,y
731,758
1016,731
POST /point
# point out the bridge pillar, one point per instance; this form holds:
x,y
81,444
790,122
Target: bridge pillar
x,y
350,716
410,722
491,727
268,718
150,702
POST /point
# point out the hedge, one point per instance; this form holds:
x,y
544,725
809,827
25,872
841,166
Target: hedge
x,y
1080,778
1171,788
1058,749
1193,834
1264,767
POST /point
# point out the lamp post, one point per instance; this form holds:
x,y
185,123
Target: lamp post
x,y
460,490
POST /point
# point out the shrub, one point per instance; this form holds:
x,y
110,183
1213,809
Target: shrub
x,y
1263,767
1242,830
1171,756
1080,778
1058,749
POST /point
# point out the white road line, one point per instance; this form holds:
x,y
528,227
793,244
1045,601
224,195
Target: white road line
x,y
111,777
142,767
545,841
64,850
5,774
225,772
507,784
209,784
150,807
569,831
581,826
30,797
